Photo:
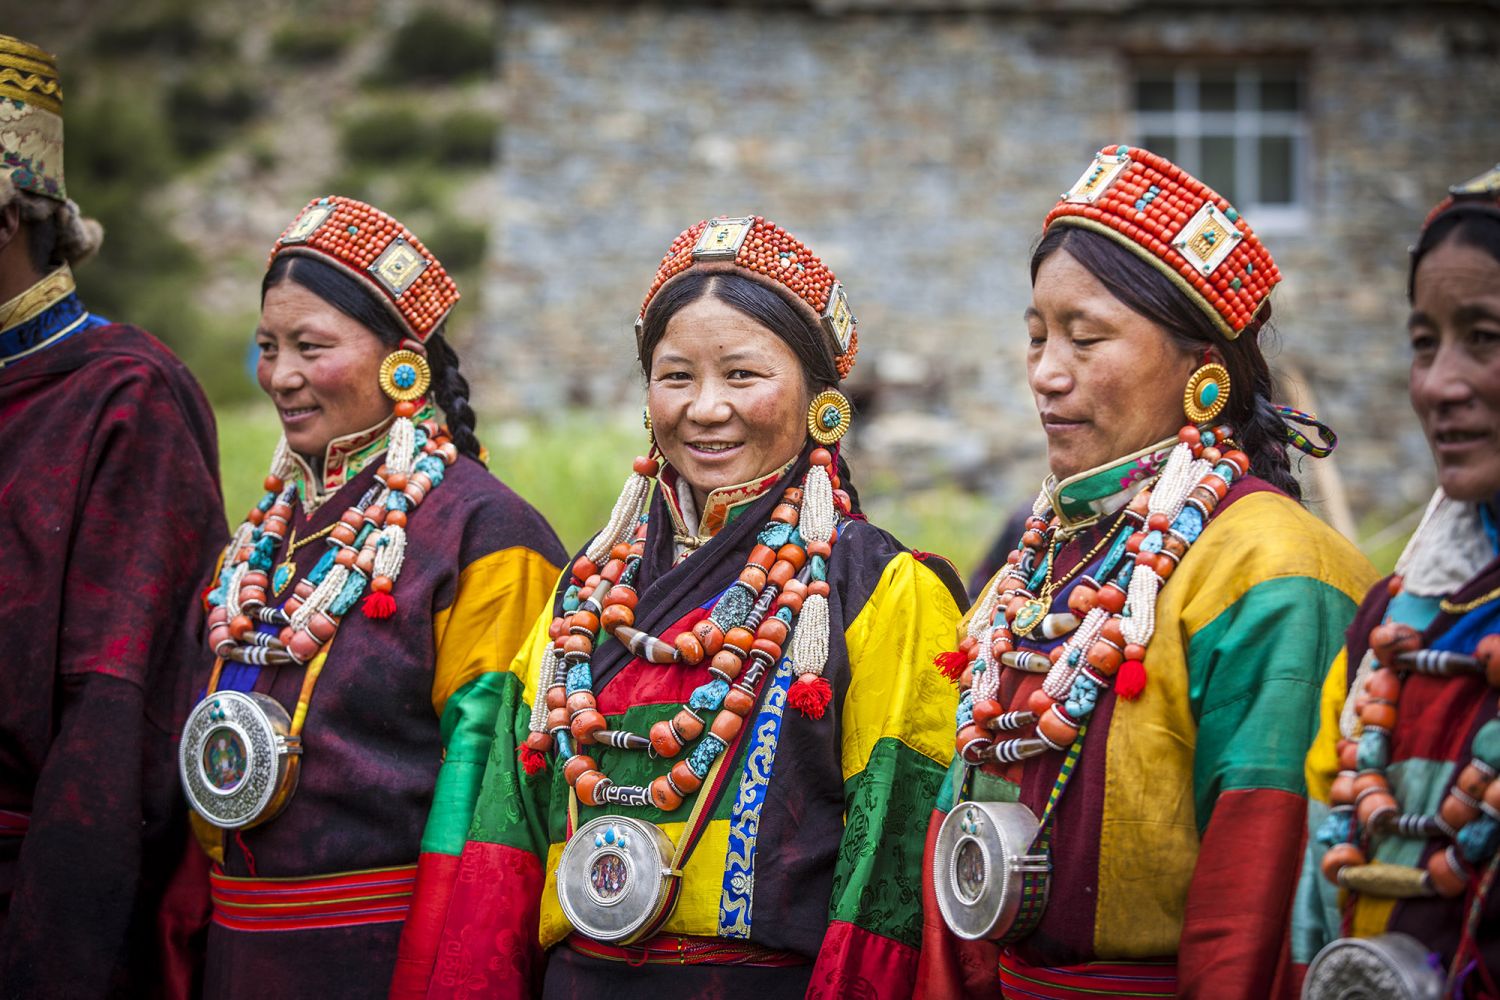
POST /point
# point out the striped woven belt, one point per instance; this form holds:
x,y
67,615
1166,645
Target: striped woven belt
x,y
346,899
14,824
1087,981
674,949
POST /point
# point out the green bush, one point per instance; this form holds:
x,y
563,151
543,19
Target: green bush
x,y
378,138
204,111
458,243
437,47
465,138
169,31
303,44
118,154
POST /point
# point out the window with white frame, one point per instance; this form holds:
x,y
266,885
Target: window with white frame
x,y
1241,129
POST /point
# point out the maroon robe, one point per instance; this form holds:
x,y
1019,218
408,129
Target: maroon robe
x,y
110,517
373,740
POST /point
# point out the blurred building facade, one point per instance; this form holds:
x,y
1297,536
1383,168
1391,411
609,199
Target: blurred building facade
x,y
917,146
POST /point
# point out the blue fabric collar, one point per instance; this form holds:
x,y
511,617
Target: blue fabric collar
x,y
59,321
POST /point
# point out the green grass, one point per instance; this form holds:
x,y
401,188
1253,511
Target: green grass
x,y
571,470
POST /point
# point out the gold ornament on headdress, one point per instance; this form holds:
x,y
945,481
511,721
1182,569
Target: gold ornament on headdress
x,y
828,416
405,376
1207,393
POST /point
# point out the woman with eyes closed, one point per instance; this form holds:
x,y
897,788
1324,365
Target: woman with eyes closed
x,y
733,686
1140,680
1402,813
358,618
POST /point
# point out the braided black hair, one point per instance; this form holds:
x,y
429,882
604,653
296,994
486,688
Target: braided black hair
x,y
450,390
1258,427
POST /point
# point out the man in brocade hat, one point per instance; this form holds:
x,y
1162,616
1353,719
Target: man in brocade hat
x,y
110,516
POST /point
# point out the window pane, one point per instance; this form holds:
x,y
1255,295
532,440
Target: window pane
x,y
1154,93
1218,164
1280,93
1278,177
1161,145
1216,92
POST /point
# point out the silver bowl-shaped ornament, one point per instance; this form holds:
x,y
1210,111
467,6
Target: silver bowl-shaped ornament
x,y
238,763
1385,967
614,879
988,886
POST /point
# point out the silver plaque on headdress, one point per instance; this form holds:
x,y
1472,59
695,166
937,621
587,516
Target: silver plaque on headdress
x,y
988,885
614,879
238,764
1388,967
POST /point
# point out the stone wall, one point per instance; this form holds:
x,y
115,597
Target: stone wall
x,y
918,152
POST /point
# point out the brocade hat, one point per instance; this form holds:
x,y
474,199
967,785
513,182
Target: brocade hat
x,y
762,251
31,123
1177,224
375,249
1479,195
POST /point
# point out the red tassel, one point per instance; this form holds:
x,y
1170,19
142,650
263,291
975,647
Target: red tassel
x,y
532,761
951,664
810,695
1131,680
379,604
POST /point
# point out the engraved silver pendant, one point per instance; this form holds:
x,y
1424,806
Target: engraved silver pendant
x,y
614,879
988,885
1385,967
238,764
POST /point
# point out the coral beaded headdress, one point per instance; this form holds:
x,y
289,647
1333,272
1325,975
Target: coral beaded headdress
x,y
762,251
31,124
380,252
1177,224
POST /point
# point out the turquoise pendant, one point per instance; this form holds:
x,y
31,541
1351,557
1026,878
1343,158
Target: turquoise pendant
x,y
282,578
1030,616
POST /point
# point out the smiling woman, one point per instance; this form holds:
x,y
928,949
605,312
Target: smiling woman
x,y
1168,611
385,560
730,735
1402,819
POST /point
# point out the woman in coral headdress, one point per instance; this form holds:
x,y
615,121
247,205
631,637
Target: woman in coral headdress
x,y
1404,805
726,741
361,618
1140,679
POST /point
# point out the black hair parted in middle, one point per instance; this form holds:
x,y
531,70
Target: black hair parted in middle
x,y
450,390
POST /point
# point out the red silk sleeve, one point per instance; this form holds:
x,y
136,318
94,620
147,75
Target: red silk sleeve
x,y
1235,929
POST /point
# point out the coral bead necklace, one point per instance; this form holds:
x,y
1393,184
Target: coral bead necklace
x,y
366,548
1112,618
1364,806
778,602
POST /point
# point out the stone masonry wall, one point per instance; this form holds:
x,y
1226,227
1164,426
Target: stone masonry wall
x,y
918,153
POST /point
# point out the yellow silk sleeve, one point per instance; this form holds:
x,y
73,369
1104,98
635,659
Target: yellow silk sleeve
x,y
894,689
497,602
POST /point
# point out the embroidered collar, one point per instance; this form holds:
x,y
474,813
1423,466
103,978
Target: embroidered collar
x,y
1083,499
344,458
720,507
41,316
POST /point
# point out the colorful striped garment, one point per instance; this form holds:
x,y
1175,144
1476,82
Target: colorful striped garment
x,y
809,871
312,902
1156,888
1435,724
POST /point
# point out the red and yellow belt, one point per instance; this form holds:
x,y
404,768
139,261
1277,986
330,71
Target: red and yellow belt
x,y
677,949
344,899
1087,980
